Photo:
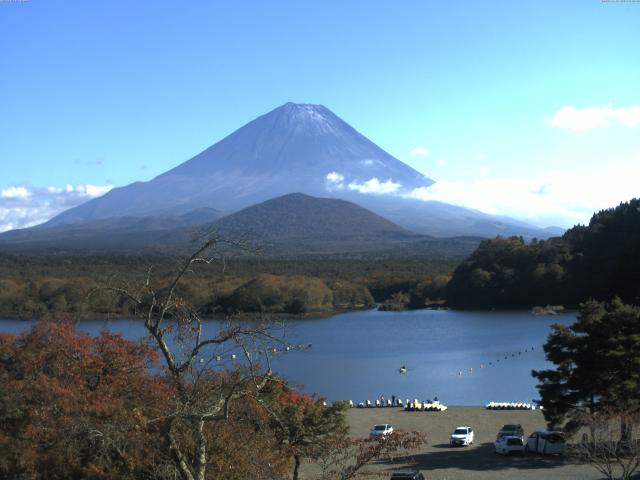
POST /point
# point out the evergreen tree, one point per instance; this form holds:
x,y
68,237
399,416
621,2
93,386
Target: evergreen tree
x,y
597,363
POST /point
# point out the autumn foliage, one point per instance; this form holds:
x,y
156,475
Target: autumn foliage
x,y
75,406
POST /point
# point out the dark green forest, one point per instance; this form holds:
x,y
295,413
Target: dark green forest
x,y
598,261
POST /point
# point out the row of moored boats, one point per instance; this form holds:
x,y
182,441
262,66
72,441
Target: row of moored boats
x,y
411,406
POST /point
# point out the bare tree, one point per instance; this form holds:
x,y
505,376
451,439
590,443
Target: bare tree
x,y
342,458
610,443
208,367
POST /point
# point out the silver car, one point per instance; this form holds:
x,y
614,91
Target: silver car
x,y
461,436
507,445
380,430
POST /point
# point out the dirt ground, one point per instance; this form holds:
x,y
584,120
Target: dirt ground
x,y
438,461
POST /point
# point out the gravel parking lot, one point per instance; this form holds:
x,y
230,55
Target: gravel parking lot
x,y
438,461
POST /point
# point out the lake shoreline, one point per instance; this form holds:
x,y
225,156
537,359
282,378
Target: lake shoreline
x,y
279,316
246,316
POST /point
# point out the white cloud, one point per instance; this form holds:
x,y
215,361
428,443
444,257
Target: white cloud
x,y
581,119
559,198
21,207
91,191
334,181
375,186
15,192
420,152
335,177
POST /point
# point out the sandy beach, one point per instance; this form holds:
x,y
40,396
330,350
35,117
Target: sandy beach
x,y
438,461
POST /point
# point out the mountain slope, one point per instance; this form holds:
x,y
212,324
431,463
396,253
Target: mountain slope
x,y
115,233
295,147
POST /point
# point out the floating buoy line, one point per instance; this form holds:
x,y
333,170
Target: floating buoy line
x,y
257,353
505,357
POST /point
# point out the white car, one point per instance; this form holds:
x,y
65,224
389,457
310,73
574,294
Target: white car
x,y
509,444
380,430
552,443
461,436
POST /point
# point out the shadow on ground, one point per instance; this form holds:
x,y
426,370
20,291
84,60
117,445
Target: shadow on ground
x,y
481,458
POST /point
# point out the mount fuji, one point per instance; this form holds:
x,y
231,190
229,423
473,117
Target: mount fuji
x,y
294,148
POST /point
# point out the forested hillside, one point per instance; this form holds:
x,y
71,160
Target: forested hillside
x,y
36,286
598,261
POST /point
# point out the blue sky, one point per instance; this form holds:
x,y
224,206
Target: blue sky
x,y
529,109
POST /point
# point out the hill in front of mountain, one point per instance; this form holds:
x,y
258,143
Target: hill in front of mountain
x,y
296,216
299,225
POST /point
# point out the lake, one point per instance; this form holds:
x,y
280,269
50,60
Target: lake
x,y
462,357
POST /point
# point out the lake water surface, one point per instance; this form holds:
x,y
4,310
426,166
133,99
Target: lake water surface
x,y
463,358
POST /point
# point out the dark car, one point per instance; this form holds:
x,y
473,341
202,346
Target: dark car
x,y
511,430
407,475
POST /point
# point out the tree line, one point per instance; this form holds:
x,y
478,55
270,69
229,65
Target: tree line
x,y
599,261
41,286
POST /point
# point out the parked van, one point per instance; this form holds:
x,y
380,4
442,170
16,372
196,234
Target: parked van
x,y
546,442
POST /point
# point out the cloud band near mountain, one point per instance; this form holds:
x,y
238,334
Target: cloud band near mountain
x,y
22,207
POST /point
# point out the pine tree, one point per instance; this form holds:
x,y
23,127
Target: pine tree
x,y
597,363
